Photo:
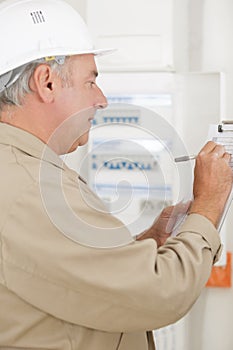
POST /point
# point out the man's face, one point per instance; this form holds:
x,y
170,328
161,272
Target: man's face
x,y
78,102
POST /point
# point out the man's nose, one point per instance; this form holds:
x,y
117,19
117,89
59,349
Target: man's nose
x,y
101,100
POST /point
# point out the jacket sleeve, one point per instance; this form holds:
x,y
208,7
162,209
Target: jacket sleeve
x,y
127,288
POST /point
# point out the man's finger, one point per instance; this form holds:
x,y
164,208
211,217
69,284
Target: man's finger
x,y
209,147
227,156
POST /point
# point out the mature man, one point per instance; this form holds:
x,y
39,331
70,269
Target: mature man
x,y
57,291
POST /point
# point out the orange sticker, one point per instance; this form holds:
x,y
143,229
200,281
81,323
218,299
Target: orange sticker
x,y
221,275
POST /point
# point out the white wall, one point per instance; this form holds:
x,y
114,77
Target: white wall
x,y
80,6
211,48
149,35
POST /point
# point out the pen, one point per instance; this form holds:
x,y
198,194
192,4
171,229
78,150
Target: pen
x,y
184,158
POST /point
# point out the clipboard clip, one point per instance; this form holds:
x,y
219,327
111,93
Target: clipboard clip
x,y
227,125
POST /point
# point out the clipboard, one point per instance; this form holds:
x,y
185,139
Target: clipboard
x,y
223,135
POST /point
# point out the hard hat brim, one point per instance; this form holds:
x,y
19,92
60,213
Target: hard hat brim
x,y
102,52
95,52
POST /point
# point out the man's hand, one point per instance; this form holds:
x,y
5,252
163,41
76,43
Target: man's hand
x,y
212,182
212,185
163,226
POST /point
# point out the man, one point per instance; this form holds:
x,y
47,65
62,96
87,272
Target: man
x,y
57,291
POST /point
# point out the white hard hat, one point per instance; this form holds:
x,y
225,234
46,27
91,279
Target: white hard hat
x,y
33,29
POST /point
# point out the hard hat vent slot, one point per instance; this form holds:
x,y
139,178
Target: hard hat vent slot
x,y
37,17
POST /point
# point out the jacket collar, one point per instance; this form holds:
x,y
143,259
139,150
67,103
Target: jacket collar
x,y
28,143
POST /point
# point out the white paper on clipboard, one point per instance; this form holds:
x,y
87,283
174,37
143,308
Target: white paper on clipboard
x,y
223,135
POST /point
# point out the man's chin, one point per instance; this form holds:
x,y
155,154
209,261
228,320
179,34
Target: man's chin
x,y
82,141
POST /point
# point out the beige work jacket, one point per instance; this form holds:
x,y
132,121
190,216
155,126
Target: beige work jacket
x,y
56,291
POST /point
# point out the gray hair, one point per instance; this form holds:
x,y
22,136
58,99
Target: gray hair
x,y
14,94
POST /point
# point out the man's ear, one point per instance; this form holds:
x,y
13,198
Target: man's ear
x,y
43,83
